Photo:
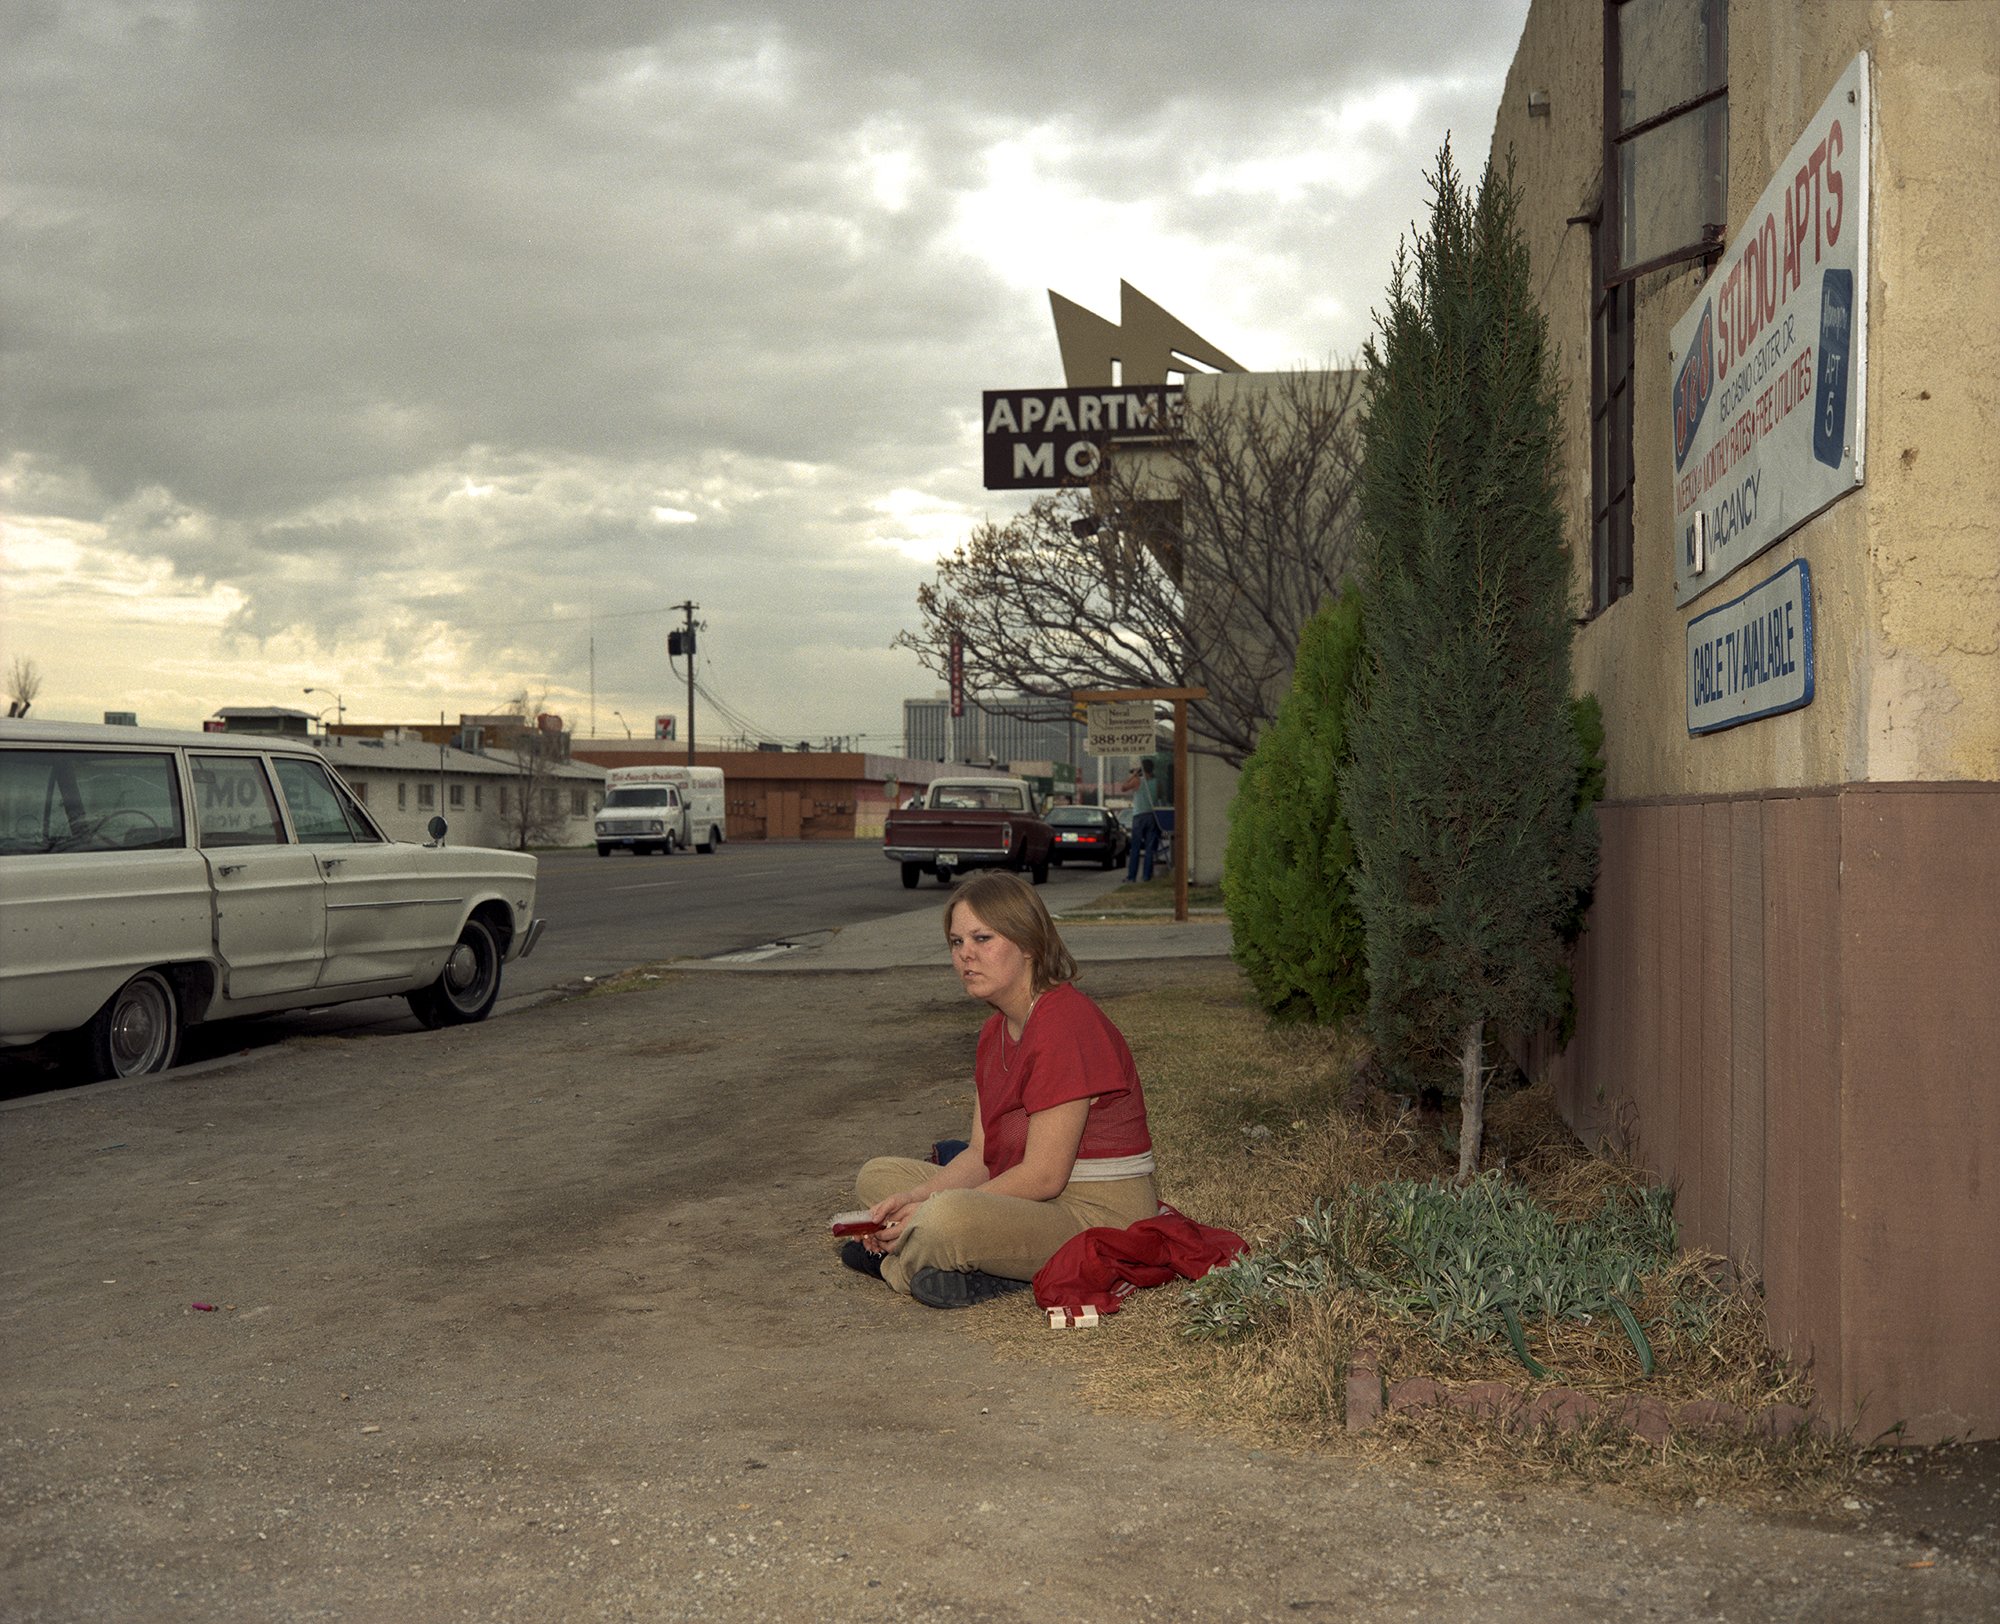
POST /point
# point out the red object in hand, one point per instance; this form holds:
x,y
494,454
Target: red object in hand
x,y
855,1223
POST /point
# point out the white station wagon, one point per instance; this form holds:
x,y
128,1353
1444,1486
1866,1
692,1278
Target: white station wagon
x,y
151,880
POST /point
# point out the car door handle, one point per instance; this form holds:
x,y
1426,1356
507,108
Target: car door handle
x,y
227,869
331,863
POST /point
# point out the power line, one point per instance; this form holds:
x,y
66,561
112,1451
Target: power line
x,y
730,714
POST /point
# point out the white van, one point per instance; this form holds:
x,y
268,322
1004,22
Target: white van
x,y
648,809
151,879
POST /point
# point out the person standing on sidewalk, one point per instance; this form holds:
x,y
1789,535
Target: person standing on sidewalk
x,y
1059,1138
1145,821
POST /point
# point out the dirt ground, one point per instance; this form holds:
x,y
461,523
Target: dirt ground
x,y
538,1320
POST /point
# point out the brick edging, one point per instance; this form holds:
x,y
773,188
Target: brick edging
x,y
1560,1409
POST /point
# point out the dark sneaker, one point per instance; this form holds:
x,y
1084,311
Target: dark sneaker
x,y
961,1288
858,1258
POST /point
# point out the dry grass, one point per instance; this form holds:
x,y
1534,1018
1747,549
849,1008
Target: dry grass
x,y
1252,1124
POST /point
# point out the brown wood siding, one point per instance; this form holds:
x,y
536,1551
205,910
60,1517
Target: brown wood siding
x,y
1789,1008
1802,1079
1746,1034
1688,823
1920,1117
1709,1224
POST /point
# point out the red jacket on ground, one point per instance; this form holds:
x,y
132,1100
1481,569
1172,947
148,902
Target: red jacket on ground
x,y
1102,1267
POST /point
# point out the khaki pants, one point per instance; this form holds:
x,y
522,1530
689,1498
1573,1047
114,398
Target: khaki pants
x,y
1002,1234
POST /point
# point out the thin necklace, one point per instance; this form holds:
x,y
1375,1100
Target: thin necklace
x,y
1005,1063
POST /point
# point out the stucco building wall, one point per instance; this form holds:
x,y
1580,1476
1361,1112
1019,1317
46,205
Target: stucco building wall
x,y
1786,992
1907,569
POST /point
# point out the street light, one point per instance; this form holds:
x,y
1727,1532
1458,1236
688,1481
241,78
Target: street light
x,y
628,726
339,707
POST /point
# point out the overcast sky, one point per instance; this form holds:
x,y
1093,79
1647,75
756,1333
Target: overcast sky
x,y
403,349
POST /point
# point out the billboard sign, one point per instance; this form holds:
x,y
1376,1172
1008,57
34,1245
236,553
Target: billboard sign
x,y
1037,439
1753,656
1768,363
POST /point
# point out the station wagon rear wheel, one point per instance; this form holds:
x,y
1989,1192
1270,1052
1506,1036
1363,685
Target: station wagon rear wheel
x,y
467,986
137,1031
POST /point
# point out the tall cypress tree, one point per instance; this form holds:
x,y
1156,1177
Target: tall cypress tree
x,y
1460,792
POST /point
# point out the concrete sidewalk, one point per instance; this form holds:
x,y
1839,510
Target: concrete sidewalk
x,y
916,938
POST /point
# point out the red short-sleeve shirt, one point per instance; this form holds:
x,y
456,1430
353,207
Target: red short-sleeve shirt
x,y
1069,1050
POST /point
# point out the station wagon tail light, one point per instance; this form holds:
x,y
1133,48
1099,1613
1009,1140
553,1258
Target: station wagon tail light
x,y
1007,838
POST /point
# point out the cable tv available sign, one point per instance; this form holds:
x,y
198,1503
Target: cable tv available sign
x,y
1753,656
1768,363
1037,439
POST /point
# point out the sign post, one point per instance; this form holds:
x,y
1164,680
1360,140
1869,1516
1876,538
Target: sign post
x,y
1183,789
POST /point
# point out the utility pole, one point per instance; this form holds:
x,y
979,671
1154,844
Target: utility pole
x,y
682,643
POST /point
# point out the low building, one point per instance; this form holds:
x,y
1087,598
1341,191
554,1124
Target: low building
x,y
488,798
793,794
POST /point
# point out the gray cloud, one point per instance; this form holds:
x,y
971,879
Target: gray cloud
x,y
280,279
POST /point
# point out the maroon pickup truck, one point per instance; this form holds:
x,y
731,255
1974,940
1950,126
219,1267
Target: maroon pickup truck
x,y
969,823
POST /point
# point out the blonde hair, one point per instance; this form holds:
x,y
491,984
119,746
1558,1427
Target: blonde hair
x,y
1010,905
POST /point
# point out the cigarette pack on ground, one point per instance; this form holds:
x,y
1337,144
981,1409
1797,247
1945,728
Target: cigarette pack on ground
x,y
854,1223
1061,1319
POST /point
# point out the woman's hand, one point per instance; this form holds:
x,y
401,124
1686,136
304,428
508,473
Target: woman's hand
x,y
893,1214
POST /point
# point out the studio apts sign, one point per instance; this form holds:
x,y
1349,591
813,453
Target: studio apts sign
x,y
1769,363
1037,439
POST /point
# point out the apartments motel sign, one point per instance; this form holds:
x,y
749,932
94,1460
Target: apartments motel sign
x,y
1769,371
1040,439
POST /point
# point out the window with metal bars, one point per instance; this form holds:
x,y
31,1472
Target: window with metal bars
x,y
1611,358
1666,148
1666,133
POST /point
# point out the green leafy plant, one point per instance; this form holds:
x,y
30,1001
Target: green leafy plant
x,y
1288,868
1469,1262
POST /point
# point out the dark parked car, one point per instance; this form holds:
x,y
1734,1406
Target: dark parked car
x,y
1088,834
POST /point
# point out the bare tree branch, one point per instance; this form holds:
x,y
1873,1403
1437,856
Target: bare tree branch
x,y
24,682
533,814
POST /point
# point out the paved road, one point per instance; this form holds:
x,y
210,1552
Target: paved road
x,y
611,913
608,914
